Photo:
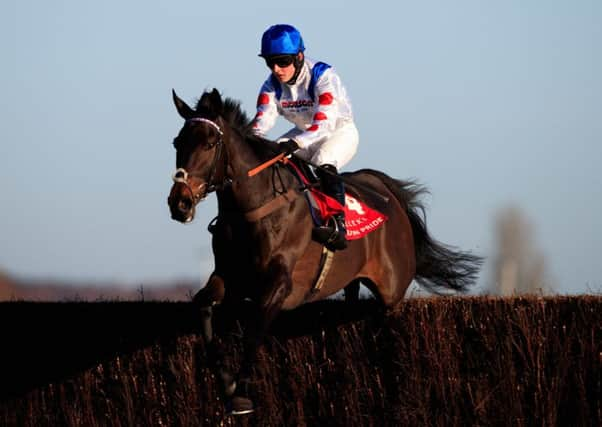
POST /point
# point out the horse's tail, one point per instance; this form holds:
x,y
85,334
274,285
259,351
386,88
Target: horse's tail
x,y
439,267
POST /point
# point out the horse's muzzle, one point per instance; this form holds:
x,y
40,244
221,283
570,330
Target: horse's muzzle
x,y
181,206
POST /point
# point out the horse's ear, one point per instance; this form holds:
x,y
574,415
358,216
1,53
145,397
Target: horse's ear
x,y
183,109
212,101
216,100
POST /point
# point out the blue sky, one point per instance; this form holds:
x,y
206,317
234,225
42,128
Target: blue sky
x,y
488,104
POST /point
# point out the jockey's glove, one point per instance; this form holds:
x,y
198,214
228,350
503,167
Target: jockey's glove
x,y
288,147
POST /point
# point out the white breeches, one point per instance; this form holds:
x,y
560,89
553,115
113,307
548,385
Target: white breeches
x,y
337,150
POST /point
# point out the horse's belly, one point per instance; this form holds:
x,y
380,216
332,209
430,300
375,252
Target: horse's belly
x,y
333,276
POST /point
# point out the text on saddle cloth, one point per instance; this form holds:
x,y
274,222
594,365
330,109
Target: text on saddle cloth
x,y
359,218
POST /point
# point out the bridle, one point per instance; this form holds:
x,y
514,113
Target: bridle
x,y
207,186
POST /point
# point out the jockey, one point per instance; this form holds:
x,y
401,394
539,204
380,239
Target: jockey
x,y
310,95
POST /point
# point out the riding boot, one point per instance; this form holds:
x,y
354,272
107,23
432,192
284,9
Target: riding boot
x,y
332,235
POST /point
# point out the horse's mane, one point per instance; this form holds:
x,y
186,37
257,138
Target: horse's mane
x,y
238,119
233,114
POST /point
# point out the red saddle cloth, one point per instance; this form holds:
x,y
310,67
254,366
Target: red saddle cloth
x,y
359,218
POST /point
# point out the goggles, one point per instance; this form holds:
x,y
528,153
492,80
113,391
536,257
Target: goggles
x,y
281,60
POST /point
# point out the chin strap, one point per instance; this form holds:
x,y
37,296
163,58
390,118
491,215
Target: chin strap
x,y
298,66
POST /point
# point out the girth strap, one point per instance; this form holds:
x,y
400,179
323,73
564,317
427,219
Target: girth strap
x,y
272,205
324,268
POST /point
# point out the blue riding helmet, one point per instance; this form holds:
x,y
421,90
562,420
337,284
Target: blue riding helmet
x,y
281,39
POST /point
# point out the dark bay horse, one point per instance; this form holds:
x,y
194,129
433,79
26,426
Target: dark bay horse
x,y
262,240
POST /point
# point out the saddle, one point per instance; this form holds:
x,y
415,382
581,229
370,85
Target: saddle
x,y
359,218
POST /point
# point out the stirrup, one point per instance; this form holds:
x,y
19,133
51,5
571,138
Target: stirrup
x,y
330,236
337,243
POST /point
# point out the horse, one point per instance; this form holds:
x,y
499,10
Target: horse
x,y
262,240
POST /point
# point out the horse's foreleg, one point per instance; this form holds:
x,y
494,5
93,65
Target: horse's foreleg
x,y
220,351
268,307
209,296
206,299
212,293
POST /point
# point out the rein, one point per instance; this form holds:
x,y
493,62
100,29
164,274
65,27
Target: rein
x,y
208,186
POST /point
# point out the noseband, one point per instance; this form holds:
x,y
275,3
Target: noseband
x,y
207,186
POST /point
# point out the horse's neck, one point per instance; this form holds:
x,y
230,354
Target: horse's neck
x,y
251,192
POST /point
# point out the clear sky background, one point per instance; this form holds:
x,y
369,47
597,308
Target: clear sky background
x,y
488,104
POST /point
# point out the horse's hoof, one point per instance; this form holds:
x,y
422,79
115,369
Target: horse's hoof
x,y
239,405
228,383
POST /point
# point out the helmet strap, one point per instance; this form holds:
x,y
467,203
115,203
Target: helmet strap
x,y
298,63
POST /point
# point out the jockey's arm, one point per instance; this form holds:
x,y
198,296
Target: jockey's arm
x,y
267,110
